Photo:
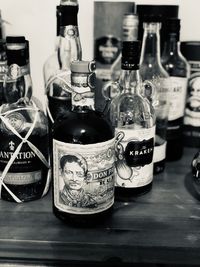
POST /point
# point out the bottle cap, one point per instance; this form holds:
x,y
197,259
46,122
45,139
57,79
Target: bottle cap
x,y
68,15
191,50
15,39
130,19
173,25
83,66
152,18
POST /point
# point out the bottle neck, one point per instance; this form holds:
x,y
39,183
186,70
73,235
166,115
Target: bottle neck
x,y
82,92
172,45
150,53
130,81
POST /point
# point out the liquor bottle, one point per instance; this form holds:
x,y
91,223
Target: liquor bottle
x,y
152,70
23,132
178,69
129,33
69,48
3,69
83,154
134,122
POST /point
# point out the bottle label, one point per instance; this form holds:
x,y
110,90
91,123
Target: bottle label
x,y
177,97
134,155
83,177
159,152
70,32
15,71
3,70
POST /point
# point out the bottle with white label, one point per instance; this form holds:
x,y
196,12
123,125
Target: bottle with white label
x,y
23,131
83,154
134,122
152,70
178,69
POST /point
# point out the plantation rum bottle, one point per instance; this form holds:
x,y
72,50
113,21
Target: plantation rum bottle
x,y
57,69
23,132
83,154
152,70
178,69
134,121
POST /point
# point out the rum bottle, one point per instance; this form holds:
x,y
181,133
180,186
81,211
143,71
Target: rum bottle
x,y
178,69
152,70
134,120
23,132
83,154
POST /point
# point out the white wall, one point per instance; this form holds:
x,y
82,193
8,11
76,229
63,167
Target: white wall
x,y
36,20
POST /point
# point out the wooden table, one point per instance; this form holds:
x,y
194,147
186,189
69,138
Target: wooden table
x,y
160,227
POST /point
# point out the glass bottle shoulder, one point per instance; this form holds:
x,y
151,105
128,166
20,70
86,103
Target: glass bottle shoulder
x,y
86,127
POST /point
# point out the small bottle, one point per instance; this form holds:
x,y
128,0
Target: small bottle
x,y
83,154
178,69
57,69
152,70
134,122
23,132
129,33
3,69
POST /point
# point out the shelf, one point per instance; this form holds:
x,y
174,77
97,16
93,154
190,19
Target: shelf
x,y
162,226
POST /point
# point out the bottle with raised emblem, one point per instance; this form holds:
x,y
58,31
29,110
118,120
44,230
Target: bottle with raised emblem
x,y
23,132
134,119
83,154
178,69
57,69
152,70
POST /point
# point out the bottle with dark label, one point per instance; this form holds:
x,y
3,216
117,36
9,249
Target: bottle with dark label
x,y
152,70
134,119
23,132
83,154
57,69
178,69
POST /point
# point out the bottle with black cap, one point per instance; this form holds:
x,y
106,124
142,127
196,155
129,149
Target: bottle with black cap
x,y
178,68
134,119
152,71
57,72
23,132
83,155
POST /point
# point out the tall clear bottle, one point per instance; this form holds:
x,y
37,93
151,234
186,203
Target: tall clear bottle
x,y
129,33
69,49
23,132
152,70
178,69
83,155
134,119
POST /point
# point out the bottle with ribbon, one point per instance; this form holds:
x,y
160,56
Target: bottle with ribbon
x,y
24,163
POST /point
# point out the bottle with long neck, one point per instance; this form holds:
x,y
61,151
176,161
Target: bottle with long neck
x,y
129,33
178,69
83,154
152,70
134,121
69,49
23,132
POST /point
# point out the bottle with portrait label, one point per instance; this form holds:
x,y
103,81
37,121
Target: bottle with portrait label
x,y
134,119
178,69
23,132
57,69
83,154
152,70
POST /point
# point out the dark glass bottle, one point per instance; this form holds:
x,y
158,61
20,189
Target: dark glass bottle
x,y
23,132
134,119
152,70
57,68
178,69
83,155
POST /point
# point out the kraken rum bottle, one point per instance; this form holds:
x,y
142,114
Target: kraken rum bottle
x,y
83,155
152,70
57,73
134,119
178,69
23,133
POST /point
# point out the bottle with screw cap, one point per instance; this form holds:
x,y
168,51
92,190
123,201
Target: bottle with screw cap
x,y
178,68
83,154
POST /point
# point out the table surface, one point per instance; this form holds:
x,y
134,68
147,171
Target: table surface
x,y
162,226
